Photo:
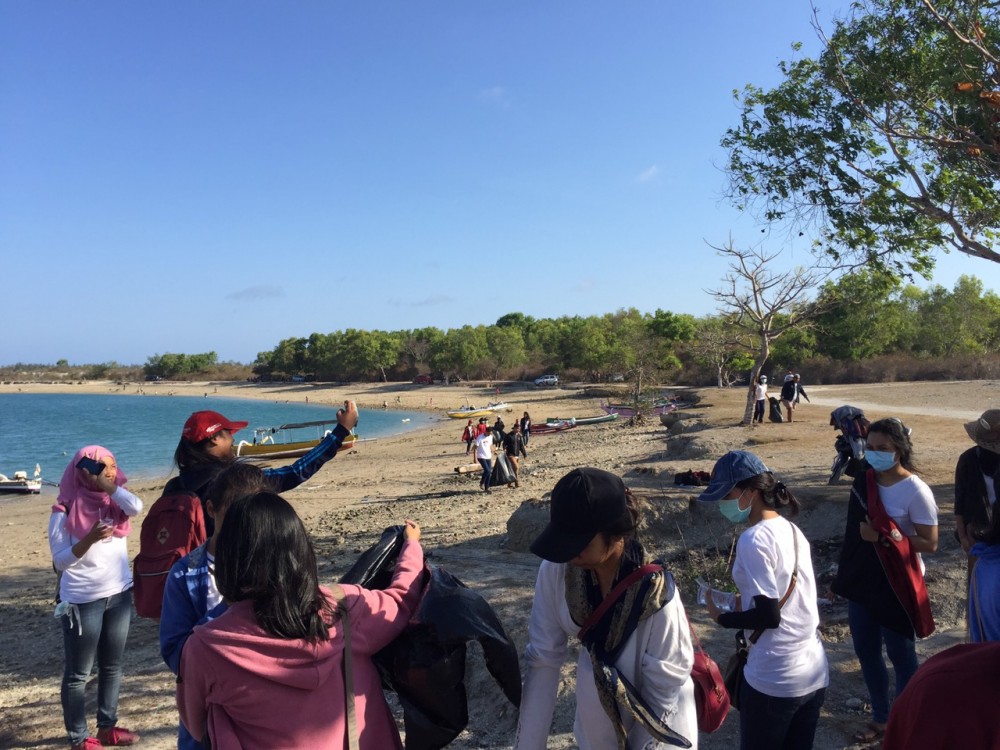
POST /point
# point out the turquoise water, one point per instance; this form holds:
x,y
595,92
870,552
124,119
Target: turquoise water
x,y
142,431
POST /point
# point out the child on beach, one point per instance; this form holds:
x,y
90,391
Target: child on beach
x,y
206,448
191,596
87,532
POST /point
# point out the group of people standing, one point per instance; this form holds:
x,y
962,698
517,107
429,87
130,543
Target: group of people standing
x,y
256,641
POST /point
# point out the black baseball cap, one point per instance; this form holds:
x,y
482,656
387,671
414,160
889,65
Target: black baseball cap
x,y
585,502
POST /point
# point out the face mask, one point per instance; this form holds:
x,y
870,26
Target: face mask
x,y
732,511
881,460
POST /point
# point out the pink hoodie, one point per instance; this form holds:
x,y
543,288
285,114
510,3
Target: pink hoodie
x,y
247,689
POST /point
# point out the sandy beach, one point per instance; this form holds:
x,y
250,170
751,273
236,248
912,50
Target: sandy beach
x,y
377,484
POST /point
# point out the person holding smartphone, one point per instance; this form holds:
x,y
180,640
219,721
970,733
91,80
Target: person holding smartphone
x,y
87,538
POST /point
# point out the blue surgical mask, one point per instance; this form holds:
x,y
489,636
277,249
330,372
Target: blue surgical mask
x,y
732,511
881,460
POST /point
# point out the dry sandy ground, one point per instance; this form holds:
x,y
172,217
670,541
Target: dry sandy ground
x,y
347,505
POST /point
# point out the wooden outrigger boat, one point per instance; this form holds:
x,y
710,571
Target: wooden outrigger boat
x,y
264,445
581,421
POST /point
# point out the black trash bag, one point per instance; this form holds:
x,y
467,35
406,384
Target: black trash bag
x,y
503,472
425,665
774,413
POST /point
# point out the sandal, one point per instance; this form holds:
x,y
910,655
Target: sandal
x,y
870,732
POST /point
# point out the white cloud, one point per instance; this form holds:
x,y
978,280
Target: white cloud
x,y
496,96
650,174
253,293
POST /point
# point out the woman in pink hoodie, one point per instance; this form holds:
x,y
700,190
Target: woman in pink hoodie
x,y
270,671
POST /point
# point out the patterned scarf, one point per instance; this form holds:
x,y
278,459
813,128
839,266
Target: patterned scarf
x,y
606,639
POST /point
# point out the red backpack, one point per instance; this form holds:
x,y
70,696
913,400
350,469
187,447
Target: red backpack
x,y
174,525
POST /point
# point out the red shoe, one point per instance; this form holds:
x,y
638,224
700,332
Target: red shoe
x,y
116,737
88,744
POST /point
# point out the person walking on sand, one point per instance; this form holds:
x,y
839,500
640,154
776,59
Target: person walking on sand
x,y
790,392
513,445
484,455
526,428
468,435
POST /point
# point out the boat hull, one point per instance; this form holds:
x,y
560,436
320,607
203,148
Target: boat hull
x,y
264,451
20,488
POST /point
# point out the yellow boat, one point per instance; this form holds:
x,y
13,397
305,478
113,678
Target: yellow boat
x,y
471,412
264,445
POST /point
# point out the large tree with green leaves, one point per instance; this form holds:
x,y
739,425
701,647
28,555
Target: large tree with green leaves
x,y
888,140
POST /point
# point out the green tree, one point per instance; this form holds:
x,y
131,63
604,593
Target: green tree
x,y
505,348
888,140
861,318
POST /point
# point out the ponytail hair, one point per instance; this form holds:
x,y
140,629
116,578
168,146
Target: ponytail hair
x,y
774,493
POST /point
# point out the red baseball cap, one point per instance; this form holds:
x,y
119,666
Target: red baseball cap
x,y
204,424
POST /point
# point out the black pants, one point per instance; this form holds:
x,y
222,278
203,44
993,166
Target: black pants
x,y
769,723
758,410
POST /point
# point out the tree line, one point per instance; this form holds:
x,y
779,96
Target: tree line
x,y
865,316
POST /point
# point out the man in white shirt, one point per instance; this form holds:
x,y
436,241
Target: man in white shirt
x,y
484,455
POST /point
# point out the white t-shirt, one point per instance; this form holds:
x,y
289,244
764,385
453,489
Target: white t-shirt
x,y
761,391
908,502
666,672
484,445
787,661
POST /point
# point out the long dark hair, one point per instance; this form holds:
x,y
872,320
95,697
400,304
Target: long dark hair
x,y
774,493
264,555
899,435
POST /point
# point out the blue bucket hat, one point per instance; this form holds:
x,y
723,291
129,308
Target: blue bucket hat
x,y
733,467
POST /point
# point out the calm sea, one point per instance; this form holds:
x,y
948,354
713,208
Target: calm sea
x,y
142,431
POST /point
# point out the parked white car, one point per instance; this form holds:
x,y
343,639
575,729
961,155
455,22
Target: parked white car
x,y
547,380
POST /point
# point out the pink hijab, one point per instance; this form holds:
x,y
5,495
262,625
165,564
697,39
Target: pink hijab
x,y
84,505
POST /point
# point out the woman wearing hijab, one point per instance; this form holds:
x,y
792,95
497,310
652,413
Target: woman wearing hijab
x,y
786,673
595,582
87,532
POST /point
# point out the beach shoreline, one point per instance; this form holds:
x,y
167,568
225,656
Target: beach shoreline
x,y
363,490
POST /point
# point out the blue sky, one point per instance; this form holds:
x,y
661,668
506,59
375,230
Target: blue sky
x,y
197,176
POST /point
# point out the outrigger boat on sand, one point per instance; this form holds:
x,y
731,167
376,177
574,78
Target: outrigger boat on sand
x,y
470,412
20,484
264,446
580,421
626,410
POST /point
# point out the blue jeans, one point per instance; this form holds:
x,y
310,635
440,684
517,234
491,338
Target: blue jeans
x,y
868,638
769,723
100,633
487,471
758,410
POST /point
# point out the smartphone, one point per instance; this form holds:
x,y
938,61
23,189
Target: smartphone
x,y
90,466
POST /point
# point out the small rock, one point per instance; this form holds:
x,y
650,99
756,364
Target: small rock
x,y
854,704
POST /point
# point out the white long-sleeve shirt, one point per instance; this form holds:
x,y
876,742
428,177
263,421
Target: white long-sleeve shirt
x,y
104,569
665,664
